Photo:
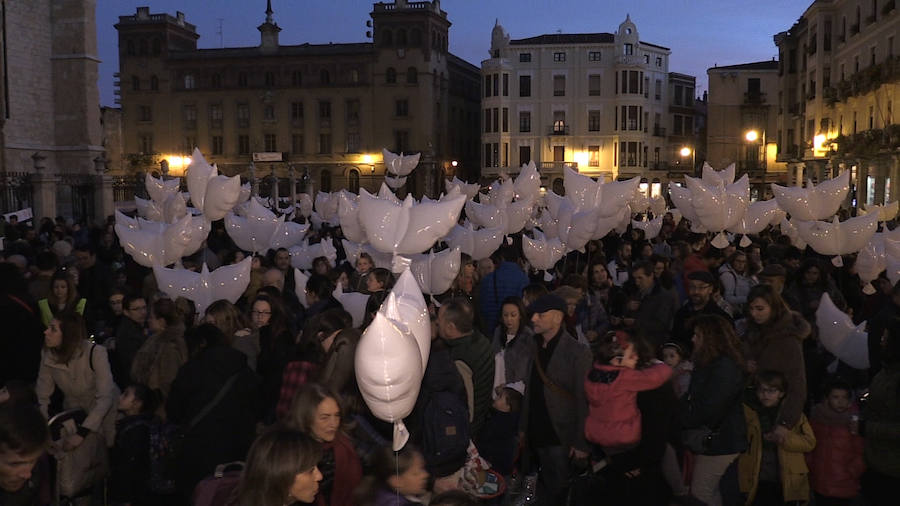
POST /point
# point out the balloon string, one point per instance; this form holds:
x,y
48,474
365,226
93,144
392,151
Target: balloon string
x,y
397,470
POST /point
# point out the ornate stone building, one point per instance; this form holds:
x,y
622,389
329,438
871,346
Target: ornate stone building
x,y
317,115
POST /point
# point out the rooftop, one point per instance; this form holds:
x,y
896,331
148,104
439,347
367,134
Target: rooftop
x,y
255,51
572,38
759,65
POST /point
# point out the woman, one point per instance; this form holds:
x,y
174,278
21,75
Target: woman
x,y
465,281
281,469
157,361
234,325
63,297
339,348
806,291
735,279
511,344
276,347
603,294
774,338
364,265
317,413
711,412
80,370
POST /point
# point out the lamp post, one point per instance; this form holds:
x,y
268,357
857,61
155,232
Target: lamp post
x,y
685,152
752,136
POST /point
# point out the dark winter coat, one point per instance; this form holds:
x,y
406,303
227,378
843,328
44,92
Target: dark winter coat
x,y
130,462
714,400
474,350
882,422
21,340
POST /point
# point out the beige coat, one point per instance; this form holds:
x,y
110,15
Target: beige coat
x,y
83,388
157,361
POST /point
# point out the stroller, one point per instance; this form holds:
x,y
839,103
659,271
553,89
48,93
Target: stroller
x,y
79,472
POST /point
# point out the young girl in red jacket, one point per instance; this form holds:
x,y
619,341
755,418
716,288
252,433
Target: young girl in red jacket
x,y
837,462
611,387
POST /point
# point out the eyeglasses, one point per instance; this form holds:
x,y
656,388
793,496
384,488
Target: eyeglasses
x,y
263,313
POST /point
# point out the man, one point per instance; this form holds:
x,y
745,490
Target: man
x,y
94,283
657,308
39,286
700,288
619,266
472,354
506,280
130,337
283,260
23,440
554,406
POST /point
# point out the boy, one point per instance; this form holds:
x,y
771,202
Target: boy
x,y
773,471
837,462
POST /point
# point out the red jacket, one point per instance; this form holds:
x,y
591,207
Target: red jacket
x,y
613,417
836,463
347,473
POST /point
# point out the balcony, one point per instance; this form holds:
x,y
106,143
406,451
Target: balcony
x,y
559,129
754,98
659,131
558,166
794,109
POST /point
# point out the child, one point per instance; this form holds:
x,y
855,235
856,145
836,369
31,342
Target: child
x,y
837,462
497,439
396,479
129,481
614,421
773,469
673,356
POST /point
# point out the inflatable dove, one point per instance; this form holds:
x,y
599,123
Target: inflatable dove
x,y
838,238
400,165
408,228
813,202
840,336
203,288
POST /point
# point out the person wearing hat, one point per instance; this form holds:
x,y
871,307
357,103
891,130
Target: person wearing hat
x,y
700,287
554,407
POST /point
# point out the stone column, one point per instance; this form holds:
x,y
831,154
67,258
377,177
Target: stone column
x,y
862,183
104,198
894,172
880,172
293,176
44,186
254,183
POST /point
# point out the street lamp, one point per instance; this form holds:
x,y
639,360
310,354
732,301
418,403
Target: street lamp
x,y
685,152
752,136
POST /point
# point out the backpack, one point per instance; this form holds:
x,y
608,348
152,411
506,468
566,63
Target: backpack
x,y
445,429
165,439
219,489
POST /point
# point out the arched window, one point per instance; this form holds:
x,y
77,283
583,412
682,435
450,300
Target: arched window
x,y
154,83
412,75
325,181
142,46
135,83
401,38
324,77
157,47
353,181
415,37
390,75
189,83
387,38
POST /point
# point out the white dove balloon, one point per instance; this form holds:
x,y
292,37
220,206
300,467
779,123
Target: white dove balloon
x,y
327,207
813,202
658,206
411,309
221,196
384,192
870,262
478,244
149,210
840,336
353,249
838,238
244,195
302,255
394,182
175,208
789,228
259,229
502,192
683,201
352,302
757,217
651,228
542,253
203,288
161,190
468,189
200,228
435,272
885,212
712,176
615,194
198,174
517,214
719,207
401,164
484,215
606,225
163,246
300,279
528,182
348,213
407,228
304,204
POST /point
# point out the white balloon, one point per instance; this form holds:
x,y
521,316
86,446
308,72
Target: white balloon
x,y
813,202
528,182
556,204
407,228
658,206
225,283
406,304
789,228
163,246
300,279
870,262
758,216
435,272
353,249
651,228
712,176
149,210
719,207
838,238
200,228
683,201
606,225
484,215
581,190
580,229
161,190
478,244
616,194
394,182
175,208
244,196
198,174
354,303
885,212
468,189
348,213
125,221
516,215
502,192
302,255
221,196
327,207
542,253
840,336
401,164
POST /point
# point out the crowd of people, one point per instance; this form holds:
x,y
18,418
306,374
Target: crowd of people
x,y
646,372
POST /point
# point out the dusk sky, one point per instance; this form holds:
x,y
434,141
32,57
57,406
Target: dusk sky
x,y
700,33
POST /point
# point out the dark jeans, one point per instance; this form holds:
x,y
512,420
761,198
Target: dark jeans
x,y
553,474
879,489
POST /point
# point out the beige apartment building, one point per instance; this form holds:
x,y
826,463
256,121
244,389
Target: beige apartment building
x,y
316,116
839,88
742,122
604,103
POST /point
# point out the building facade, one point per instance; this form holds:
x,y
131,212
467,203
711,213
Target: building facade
x,y
839,85
600,102
51,154
315,116
742,119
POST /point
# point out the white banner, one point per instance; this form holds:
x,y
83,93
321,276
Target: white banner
x,y
22,214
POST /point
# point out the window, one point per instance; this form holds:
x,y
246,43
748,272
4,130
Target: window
x,y
559,86
647,59
296,78
487,120
659,61
524,155
412,75
593,156
401,37
189,143
243,115
297,113
559,57
688,96
324,77
353,142
324,112
216,81
628,154
189,83
487,155
679,95
524,86
629,117
353,176
218,145
154,83
559,122
505,119
146,113
324,144
270,142
658,91
415,37
505,85
130,46
496,80
242,79
387,38
146,143
677,125
524,57
157,47
325,180
189,113
629,49
594,85
401,108
352,107
390,75
401,140
297,144
142,45
243,144
135,83
524,121
594,56
496,114
270,78
593,121
487,86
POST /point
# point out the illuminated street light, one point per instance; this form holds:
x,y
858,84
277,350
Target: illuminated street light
x,y
686,151
751,135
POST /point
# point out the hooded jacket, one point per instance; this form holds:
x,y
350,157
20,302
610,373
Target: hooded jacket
x,y
836,464
157,361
